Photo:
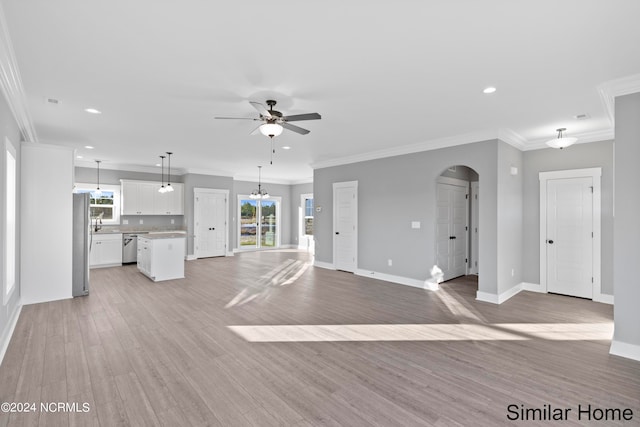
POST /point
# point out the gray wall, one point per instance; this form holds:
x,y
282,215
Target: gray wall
x,y
596,154
509,216
8,129
627,227
394,191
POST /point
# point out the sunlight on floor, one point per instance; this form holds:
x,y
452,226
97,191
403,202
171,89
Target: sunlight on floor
x,y
435,332
458,307
284,274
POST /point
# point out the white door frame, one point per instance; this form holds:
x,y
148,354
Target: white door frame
x,y
595,174
458,183
346,184
197,191
305,241
474,224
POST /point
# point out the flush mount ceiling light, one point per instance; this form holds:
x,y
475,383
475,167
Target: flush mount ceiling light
x,y
561,141
489,89
259,193
97,192
89,147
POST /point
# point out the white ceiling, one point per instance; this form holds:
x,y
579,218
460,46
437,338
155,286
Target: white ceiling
x,y
387,77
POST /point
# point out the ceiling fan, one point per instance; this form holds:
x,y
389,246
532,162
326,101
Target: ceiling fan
x,y
273,122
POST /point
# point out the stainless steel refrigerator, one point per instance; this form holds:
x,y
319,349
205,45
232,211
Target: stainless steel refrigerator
x,y
81,244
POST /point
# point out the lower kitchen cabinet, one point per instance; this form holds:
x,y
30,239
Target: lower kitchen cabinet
x,y
161,256
106,250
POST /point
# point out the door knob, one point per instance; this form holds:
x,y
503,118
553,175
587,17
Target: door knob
x,y
452,237
550,242
337,232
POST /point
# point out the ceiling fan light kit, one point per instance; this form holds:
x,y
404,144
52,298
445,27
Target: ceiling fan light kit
x,y
561,141
271,129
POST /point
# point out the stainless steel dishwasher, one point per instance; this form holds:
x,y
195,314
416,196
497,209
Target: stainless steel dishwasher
x,y
130,247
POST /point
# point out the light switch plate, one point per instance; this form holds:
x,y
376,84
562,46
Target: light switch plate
x,y
415,224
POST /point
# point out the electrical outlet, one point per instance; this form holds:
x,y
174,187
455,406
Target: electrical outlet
x,y
513,272
141,221
173,221
125,221
390,262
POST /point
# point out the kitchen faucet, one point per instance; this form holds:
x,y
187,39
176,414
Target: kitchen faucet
x,y
97,227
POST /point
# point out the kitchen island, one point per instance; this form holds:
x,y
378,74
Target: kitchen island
x,y
161,255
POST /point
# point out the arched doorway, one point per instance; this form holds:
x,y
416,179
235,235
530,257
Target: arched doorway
x,y
457,222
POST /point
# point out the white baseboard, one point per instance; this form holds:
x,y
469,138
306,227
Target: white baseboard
x,y
499,299
623,349
8,331
422,284
533,287
603,298
323,264
191,257
231,253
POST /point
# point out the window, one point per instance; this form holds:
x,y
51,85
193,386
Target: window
x,y
259,218
308,216
107,203
9,278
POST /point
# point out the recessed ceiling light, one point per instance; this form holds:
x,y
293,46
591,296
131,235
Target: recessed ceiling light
x,y
158,164
489,89
92,111
78,157
52,101
286,147
89,147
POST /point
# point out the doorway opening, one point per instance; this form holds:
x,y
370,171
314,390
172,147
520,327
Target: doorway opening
x,y
457,223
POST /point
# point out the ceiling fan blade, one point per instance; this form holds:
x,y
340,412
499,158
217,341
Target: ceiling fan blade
x,y
236,118
255,131
261,109
294,128
298,117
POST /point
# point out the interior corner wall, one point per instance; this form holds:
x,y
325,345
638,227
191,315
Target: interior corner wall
x,y
297,190
510,187
626,338
393,192
579,156
8,312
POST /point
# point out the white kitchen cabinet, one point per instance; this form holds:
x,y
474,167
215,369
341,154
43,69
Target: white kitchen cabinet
x,y
161,256
106,250
143,198
138,198
171,203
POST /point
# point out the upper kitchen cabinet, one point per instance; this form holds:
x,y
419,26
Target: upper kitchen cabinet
x,y
143,198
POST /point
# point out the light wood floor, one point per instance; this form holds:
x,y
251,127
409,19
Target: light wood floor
x,y
144,353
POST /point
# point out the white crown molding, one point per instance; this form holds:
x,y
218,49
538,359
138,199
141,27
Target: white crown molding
x,y
583,138
252,179
608,91
433,144
512,138
124,167
11,83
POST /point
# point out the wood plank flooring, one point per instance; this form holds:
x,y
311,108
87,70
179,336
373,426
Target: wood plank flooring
x,y
163,354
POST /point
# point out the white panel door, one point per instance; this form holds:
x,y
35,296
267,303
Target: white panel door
x,y
345,228
569,239
210,220
451,230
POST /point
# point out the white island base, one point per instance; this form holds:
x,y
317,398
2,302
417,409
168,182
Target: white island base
x,y
161,255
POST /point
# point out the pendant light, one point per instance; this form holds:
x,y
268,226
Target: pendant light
x,y
259,193
169,187
561,142
97,192
162,189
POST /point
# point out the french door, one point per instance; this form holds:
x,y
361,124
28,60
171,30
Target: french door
x,y
259,225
